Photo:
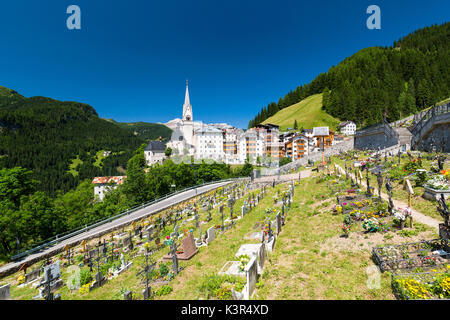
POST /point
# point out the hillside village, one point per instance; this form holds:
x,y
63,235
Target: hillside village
x,y
263,144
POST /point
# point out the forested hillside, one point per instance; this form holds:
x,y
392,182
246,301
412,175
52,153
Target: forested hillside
x,y
394,81
145,130
46,136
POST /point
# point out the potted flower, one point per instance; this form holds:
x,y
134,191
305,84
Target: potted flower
x,y
243,260
345,229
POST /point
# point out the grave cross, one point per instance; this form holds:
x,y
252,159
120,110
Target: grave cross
x,y
173,248
196,219
146,273
69,254
47,285
368,182
389,190
443,210
380,183
221,213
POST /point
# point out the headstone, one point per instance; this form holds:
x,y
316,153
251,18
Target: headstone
x,y
93,254
128,295
211,235
251,272
278,221
5,292
33,275
147,293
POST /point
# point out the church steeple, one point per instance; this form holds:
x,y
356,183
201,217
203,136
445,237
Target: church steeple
x,y
187,108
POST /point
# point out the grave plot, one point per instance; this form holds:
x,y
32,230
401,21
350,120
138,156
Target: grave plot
x,y
424,285
251,257
423,254
374,213
429,176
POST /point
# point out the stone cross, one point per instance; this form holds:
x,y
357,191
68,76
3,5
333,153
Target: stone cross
x,y
368,182
380,183
174,258
443,210
222,228
389,190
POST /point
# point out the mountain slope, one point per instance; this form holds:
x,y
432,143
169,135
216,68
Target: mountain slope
x,y
45,135
145,130
375,82
308,114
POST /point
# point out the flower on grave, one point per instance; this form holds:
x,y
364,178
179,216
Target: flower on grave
x,y
243,260
399,215
85,288
21,279
346,228
371,225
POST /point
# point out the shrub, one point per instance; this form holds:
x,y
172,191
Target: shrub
x,y
165,289
163,269
85,276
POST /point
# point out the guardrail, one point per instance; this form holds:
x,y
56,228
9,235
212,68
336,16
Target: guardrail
x,y
69,234
435,111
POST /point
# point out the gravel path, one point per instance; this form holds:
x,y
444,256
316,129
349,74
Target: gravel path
x,y
417,215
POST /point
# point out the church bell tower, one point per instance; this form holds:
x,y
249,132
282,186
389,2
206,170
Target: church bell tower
x,y
187,108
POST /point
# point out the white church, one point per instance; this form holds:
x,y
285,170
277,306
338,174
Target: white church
x,y
194,138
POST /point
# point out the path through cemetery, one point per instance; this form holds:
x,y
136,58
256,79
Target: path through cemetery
x,y
113,225
285,177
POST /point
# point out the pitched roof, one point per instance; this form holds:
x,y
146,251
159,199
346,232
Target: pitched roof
x,y
321,131
104,180
155,146
343,124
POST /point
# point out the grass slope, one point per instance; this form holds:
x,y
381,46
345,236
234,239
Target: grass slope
x,y
308,114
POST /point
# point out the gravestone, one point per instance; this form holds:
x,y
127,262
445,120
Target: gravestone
x,y
261,258
251,272
128,243
93,254
189,248
278,221
33,275
5,292
147,292
128,295
211,235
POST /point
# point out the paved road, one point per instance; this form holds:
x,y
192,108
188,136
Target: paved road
x,y
163,204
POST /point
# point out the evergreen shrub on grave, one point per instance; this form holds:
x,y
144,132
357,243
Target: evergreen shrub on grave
x,y
423,254
219,286
424,285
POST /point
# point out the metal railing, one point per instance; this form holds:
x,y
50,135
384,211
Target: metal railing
x,y
424,119
74,232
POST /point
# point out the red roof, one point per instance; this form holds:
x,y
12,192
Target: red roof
x,y
105,180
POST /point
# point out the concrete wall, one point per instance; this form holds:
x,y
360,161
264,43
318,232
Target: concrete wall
x,y
439,136
344,146
374,138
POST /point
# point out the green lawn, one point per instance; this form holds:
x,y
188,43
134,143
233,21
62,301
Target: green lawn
x,y
308,114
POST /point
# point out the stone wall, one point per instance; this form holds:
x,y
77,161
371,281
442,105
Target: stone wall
x,y
344,146
439,136
374,138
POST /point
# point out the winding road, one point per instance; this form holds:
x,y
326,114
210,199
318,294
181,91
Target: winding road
x,y
109,227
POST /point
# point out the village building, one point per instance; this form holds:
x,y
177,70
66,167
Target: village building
x,y
105,184
154,152
348,128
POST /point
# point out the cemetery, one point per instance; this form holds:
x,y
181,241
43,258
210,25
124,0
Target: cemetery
x,y
310,239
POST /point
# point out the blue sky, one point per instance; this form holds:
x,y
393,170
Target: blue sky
x,y
131,58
